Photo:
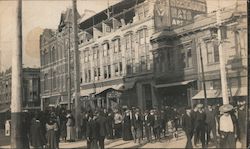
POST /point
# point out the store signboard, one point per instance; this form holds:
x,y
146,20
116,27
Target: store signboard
x,y
189,4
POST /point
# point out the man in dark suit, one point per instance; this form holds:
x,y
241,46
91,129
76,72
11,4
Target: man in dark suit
x,y
211,124
242,122
92,131
102,122
188,126
201,124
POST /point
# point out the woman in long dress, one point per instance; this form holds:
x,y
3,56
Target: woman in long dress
x,y
51,128
127,134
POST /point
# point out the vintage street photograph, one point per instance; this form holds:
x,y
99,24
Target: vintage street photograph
x,y
102,74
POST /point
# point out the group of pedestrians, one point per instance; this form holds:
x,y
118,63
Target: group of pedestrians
x,y
218,125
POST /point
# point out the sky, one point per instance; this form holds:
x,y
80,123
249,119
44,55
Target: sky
x,y
40,14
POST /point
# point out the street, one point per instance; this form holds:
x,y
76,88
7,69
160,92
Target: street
x,y
119,143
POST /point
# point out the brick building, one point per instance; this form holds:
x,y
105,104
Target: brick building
x,y
138,53
178,74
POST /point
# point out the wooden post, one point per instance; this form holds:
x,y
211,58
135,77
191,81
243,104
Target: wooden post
x,y
16,86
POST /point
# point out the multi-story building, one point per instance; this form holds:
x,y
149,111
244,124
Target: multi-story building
x,y
116,60
116,54
177,55
141,53
31,91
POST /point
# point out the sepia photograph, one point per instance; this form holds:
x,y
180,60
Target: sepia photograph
x,y
102,74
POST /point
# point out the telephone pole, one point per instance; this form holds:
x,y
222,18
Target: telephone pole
x,y
69,71
76,70
16,87
203,77
222,61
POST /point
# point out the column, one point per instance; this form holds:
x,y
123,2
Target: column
x,y
154,99
139,96
122,42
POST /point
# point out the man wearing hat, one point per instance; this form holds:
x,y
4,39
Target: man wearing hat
x,y
242,123
188,126
201,124
211,124
227,127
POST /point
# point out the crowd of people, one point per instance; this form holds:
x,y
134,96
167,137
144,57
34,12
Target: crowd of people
x,y
220,125
217,125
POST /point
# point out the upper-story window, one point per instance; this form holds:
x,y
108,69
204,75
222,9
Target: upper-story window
x,y
143,36
106,49
46,81
143,11
212,52
95,52
186,58
86,55
117,45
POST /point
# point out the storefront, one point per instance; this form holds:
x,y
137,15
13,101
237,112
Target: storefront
x,y
176,94
215,96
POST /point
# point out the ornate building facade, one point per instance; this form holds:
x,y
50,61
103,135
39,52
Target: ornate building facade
x,y
137,53
177,55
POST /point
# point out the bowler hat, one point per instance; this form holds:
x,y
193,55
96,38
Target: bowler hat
x,y
226,108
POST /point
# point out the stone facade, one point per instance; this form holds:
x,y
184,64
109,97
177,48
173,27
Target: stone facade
x,y
139,53
178,63
31,89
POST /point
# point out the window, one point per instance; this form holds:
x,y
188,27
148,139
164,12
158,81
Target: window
x,y
120,66
109,71
189,58
116,69
143,63
98,72
86,75
186,58
209,52
105,49
95,52
170,59
117,46
86,55
212,52
89,75
141,37
105,72
140,13
129,67
146,10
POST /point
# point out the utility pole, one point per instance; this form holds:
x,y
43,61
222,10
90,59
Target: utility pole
x,y
69,72
203,77
76,70
16,87
222,62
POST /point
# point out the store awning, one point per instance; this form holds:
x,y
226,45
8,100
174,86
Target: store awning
x,y
217,93
173,84
87,92
4,110
210,94
118,87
